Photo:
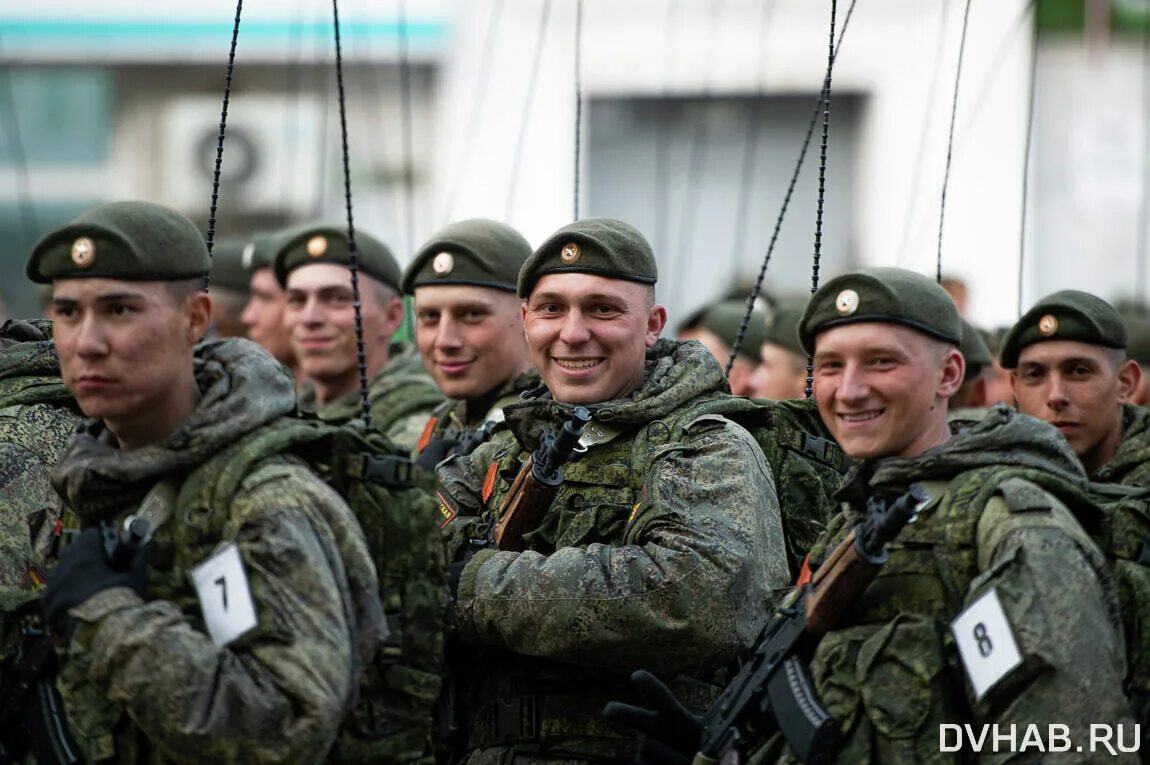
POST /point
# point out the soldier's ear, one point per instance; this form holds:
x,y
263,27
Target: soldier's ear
x,y
656,321
953,370
198,310
1129,379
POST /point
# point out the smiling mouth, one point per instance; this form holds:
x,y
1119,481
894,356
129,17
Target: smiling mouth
x,y
861,416
578,364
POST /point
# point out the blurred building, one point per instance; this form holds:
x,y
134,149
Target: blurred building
x,y
692,116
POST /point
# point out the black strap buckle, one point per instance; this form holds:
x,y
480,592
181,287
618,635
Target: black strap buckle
x,y
515,719
387,470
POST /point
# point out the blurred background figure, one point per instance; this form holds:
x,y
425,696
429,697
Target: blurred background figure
x,y
718,329
263,316
782,369
972,394
229,288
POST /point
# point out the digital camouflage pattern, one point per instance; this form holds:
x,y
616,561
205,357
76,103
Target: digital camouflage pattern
x,y
141,679
676,575
402,396
37,422
456,417
996,520
1130,465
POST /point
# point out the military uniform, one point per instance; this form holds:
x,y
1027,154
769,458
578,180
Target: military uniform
x,y
1130,465
455,419
400,394
673,569
145,676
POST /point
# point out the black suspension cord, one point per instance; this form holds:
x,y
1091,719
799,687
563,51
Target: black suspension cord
x,y
950,139
578,97
211,236
352,252
544,17
826,104
19,159
790,189
1026,151
479,95
407,130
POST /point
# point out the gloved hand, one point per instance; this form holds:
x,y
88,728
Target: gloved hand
x,y
435,452
84,570
671,733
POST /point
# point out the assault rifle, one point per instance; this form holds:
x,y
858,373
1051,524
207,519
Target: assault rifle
x,y
538,481
773,691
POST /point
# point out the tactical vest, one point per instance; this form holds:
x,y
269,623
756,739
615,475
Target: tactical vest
x,y
392,719
892,674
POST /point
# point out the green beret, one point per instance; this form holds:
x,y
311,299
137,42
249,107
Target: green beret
x,y
1138,339
974,350
478,252
602,246
327,243
889,295
259,252
1065,315
725,319
228,269
783,328
134,241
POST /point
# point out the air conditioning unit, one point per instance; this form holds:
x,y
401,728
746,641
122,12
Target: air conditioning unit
x,y
272,158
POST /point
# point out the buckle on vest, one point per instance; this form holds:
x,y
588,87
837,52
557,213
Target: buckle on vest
x,y
819,448
515,719
1143,558
387,470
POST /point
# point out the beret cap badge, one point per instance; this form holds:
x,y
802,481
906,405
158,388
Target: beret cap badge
x,y
83,252
317,246
569,253
443,263
1048,325
847,302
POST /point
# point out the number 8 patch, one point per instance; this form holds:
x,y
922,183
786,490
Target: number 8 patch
x,y
985,642
225,598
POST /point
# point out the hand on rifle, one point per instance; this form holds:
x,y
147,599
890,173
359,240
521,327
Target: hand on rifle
x,y
670,731
87,567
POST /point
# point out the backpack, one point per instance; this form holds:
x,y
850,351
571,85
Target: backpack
x,y
395,506
805,462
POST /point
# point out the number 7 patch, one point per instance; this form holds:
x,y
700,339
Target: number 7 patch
x,y
985,642
225,598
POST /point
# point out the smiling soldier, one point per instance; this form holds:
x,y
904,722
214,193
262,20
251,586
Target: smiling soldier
x,y
469,331
671,567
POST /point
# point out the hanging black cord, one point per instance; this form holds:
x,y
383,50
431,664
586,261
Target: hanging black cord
x,y
408,129
1026,152
790,190
211,236
822,182
352,252
950,139
517,160
578,97
19,160
479,97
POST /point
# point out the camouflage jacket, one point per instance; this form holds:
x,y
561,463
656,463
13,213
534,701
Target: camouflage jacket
x,y
456,417
142,681
402,397
1130,465
675,576
38,420
892,672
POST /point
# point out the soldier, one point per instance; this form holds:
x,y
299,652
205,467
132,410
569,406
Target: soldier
x,y
229,280
993,543
237,633
782,370
311,263
468,329
1069,367
673,568
717,331
263,316
979,363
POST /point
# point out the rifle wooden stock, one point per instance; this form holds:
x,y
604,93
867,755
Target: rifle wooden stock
x,y
839,582
523,507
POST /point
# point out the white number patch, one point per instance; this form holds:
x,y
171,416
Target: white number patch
x,y
985,642
225,599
